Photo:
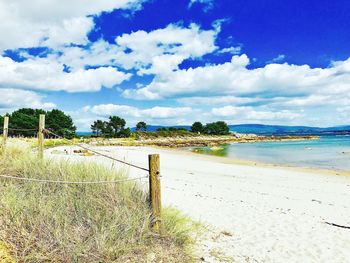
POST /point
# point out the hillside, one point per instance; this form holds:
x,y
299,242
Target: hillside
x,y
262,129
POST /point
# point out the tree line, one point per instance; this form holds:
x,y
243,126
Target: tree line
x,y
115,128
24,122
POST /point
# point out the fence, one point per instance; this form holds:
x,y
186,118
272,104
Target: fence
x,y
153,169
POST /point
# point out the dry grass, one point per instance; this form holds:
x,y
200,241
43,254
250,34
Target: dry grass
x,y
81,223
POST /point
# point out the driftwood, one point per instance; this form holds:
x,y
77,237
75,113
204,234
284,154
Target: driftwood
x,y
332,224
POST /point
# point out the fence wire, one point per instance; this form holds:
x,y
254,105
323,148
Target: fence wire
x,y
15,129
70,182
76,182
96,152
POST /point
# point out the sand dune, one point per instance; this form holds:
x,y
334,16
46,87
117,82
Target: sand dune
x,y
255,213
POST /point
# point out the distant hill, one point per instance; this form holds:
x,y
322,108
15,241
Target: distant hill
x,y
289,130
262,129
153,128
84,133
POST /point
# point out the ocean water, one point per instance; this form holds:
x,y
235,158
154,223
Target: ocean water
x,y
331,152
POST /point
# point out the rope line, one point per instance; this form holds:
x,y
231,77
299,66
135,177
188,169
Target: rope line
x,y
98,153
70,182
15,129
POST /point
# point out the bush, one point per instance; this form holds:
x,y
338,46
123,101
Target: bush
x,y
197,127
217,128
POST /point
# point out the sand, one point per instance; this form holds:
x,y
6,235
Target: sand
x,y
254,213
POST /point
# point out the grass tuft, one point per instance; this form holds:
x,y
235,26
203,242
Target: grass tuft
x,y
42,222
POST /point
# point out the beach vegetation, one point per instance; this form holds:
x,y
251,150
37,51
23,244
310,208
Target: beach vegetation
x,y
197,127
48,222
97,127
216,128
141,126
24,122
113,128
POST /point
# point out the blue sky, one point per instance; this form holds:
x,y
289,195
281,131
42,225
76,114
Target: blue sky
x,y
175,62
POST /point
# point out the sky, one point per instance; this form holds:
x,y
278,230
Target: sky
x,y
172,62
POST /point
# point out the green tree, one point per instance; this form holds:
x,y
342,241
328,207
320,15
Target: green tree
x,y
113,128
24,122
93,128
107,129
117,124
197,127
97,127
124,133
141,126
60,123
217,128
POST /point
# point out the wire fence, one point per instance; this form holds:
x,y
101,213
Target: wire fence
x,y
96,152
17,129
46,131
70,182
153,171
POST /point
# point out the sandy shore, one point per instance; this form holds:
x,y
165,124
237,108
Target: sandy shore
x,y
256,213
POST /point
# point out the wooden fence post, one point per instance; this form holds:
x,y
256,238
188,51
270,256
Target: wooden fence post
x,y
154,190
5,131
41,136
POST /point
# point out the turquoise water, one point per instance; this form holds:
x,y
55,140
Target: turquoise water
x,y
328,152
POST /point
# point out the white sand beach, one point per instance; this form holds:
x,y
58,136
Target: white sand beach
x,y
255,213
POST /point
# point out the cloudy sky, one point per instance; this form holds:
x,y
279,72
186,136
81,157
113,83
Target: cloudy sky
x,y
173,62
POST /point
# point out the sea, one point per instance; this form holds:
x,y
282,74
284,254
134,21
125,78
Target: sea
x,y
328,152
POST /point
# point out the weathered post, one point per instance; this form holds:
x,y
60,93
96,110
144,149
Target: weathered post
x,y
41,136
155,193
5,132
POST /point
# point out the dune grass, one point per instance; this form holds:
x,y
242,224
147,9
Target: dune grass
x,y
41,222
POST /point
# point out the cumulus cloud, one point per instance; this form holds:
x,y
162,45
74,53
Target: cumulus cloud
x,y
278,59
208,4
55,22
221,100
162,50
130,111
249,114
47,74
235,79
232,50
12,99
155,115
156,52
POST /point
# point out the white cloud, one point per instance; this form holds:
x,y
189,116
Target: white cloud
x,y
208,4
278,59
162,50
46,74
12,99
232,50
214,100
249,114
55,22
155,115
235,79
130,111
156,52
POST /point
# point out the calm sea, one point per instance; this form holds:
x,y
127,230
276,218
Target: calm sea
x,y
331,152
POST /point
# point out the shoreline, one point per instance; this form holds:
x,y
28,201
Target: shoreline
x,y
251,163
195,141
260,212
